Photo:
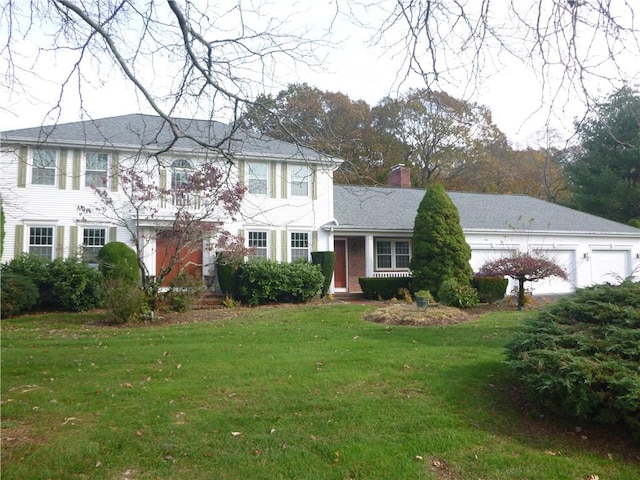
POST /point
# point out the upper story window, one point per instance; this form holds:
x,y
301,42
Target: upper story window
x,y
299,246
393,254
257,241
41,242
258,178
180,174
44,167
300,181
96,169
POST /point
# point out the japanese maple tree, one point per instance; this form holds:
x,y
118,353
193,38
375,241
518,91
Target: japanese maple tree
x,y
523,267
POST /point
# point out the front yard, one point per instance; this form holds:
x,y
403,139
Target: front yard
x,y
292,392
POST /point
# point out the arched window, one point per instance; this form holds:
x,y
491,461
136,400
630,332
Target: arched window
x,y
180,172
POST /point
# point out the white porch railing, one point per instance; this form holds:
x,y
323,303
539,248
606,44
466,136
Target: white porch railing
x,y
392,274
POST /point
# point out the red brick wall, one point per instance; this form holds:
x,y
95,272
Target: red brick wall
x,y
356,267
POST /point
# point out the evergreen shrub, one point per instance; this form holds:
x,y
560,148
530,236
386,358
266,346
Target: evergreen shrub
x,y
74,285
18,294
118,260
457,294
36,269
265,281
327,261
383,288
123,301
228,273
490,289
579,356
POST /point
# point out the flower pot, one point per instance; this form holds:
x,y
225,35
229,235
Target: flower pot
x,y
422,302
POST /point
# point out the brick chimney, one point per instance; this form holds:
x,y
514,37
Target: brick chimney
x,y
399,176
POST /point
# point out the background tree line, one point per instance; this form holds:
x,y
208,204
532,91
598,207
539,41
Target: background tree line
x,y
454,142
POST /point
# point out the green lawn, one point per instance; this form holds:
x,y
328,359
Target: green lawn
x,y
309,392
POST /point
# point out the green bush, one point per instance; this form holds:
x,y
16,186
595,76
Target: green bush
x,y
74,285
227,271
327,261
265,281
18,294
67,284
184,292
580,356
122,300
117,260
383,288
457,294
36,269
490,289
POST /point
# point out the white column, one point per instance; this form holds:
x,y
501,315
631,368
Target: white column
x,y
369,253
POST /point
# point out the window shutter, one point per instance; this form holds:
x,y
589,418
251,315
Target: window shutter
x,y
115,164
285,181
59,241
314,241
77,158
73,241
62,170
241,236
18,243
284,246
272,180
113,234
163,178
241,172
22,166
314,186
273,239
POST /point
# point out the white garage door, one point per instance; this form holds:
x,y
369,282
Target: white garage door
x,y
610,266
554,285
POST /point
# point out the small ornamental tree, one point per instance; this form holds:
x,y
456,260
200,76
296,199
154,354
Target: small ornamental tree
x,y
440,250
523,267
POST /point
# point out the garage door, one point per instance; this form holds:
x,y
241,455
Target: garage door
x,y
610,266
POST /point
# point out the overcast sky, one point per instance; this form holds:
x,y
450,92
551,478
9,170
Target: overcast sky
x,y
514,92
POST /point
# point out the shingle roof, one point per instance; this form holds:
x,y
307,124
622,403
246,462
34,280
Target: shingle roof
x,y
380,208
152,132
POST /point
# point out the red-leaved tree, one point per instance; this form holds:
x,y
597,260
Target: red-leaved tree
x,y
523,267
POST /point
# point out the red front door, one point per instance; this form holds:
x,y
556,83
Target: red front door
x,y
188,260
340,270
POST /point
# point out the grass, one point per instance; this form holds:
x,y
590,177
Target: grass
x,y
309,392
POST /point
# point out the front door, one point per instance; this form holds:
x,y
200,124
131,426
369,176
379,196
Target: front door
x,y
187,261
340,271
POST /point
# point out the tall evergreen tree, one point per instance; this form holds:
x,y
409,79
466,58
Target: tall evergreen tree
x,y
440,250
605,176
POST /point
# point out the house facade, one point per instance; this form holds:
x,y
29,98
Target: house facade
x,y
373,228
52,176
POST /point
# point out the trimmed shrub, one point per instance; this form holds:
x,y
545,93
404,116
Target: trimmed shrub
x,y
36,269
18,294
265,281
579,356
327,261
383,288
122,300
490,289
227,271
117,260
456,294
74,285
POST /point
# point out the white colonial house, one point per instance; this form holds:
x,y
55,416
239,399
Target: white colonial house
x,y
48,173
291,207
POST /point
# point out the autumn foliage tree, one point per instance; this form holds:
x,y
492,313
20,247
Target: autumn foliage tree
x,y
523,267
440,251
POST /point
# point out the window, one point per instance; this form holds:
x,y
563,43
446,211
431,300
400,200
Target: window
x,y
44,167
93,239
299,246
96,169
41,242
300,181
392,254
258,243
258,177
180,173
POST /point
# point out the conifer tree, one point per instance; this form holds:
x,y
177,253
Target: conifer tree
x,y
440,250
